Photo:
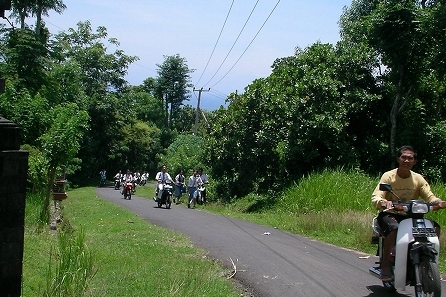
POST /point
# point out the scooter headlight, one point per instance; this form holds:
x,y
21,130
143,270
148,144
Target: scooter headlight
x,y
420,208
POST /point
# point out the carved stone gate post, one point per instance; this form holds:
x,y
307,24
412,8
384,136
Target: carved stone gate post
x,y
13,173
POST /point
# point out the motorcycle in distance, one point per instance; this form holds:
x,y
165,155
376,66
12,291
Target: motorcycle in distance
x,y
102,182
414,259
166,190
117,183
143,180
134,183
127,190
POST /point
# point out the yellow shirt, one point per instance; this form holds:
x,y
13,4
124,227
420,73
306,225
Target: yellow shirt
x,y
411,188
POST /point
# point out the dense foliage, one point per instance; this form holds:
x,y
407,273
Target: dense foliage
x,y
349,104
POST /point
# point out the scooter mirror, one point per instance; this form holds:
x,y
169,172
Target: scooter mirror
x,y
385,187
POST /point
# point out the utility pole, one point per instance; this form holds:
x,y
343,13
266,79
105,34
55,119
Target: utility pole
x,y
197,111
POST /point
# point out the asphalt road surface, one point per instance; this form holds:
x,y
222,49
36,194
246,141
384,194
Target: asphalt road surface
x,y
270,261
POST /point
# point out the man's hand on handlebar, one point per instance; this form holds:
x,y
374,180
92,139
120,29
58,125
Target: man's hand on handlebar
x,y
442,204
386,204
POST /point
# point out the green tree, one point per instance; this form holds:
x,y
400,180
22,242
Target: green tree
x,y
27,111
147,108
61,142
394,29
22,9
187,152
184,122
43,7
25,57
298,119
103,71
172,87
140,146
100,72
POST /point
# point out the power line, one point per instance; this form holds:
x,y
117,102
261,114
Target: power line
x,y
221,31
217,95
274,8
233,43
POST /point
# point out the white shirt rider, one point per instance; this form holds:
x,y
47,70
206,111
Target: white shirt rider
x,y
162,177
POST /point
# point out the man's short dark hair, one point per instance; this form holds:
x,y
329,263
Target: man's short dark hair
x,y
407,148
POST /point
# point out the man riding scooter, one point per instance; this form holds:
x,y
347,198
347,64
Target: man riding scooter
x,y
162,178
407,185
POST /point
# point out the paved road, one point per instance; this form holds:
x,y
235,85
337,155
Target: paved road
x,y
278,264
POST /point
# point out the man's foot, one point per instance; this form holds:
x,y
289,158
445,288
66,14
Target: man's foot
x,y
188,205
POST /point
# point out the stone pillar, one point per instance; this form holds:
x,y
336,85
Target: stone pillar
x,y
13,173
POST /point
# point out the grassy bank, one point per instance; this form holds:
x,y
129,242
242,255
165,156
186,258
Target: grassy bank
x,y
130,257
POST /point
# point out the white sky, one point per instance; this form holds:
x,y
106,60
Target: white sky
x,y
151,29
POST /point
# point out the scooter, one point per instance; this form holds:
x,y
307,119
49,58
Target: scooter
x,y
102,182
117,183
134,184
415,258
143,181
127,191
166,190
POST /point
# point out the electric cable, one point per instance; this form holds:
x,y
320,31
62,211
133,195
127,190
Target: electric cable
x,y
233,43
274,8
218,39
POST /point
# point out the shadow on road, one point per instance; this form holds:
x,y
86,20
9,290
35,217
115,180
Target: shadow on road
x,y
379,291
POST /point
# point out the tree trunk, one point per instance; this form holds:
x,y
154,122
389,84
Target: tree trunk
x,y
166,108
393,115
44,214
397,107
39,19
170,115
22,14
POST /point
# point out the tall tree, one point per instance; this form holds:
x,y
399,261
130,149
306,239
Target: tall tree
x,y
394,30
25,59
102,79
21,9
173,83
37,8
103,71
43,7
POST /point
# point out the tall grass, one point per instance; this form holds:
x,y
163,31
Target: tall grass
x,y
336,190
60,264
34,204
70,266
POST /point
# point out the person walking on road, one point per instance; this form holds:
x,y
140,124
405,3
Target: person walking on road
x,y
205,180
179,186
193,183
